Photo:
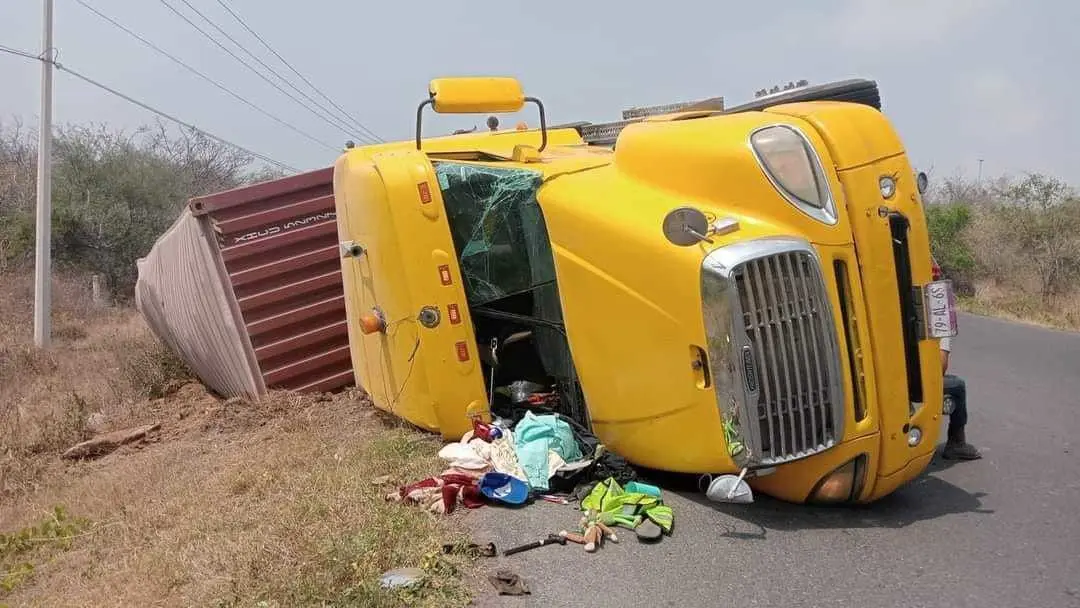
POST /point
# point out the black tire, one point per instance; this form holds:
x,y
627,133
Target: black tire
x,y
856,90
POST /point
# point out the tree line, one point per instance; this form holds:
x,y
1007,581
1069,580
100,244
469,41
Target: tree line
x,y
114,192
1010,242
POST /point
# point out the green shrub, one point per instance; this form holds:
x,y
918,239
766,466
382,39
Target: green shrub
x,y
948,223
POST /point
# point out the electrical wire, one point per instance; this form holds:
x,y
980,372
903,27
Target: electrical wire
x,y
149,108
8,49
217,84
329,114
266,44
162,114
324,113
408,374
243,62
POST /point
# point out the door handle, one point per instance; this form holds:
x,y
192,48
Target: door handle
x,y
699,364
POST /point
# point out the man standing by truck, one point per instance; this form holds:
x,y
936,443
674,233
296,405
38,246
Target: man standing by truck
x,y
956,446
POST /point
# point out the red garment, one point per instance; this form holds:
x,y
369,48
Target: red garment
x,y
468,486
442,493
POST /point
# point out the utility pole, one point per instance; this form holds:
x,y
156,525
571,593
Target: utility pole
x,y
43,244
978,180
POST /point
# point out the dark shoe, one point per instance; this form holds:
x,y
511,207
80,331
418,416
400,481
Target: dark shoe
x,y
959,450
509,583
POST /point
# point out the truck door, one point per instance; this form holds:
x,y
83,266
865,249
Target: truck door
x,y
399,265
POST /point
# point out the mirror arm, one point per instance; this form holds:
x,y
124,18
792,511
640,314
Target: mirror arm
x,y
703,237
420,119
430,101
543,122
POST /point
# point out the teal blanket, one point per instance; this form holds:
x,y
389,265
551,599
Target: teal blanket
x,y
534,436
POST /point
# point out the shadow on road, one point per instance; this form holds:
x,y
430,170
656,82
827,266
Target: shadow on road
x,y
926,498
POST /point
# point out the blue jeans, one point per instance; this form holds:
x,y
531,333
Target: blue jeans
x,y
955,388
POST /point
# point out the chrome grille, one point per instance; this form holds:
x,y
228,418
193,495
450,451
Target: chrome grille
x,y
788,323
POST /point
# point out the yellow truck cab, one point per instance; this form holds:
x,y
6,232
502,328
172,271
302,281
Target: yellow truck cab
x,y
740,292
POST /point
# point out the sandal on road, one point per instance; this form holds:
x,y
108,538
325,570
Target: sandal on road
x,y
648,531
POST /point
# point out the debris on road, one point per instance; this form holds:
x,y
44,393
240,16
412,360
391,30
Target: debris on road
x,y
509,583
472,549
552,539
442,494
550,458
401,577
104,444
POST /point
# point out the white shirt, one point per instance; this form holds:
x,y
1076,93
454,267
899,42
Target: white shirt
x,y
946,344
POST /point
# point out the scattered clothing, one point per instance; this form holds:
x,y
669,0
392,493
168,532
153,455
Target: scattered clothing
x,y
588,443
442,494
463,456
507,582
661,515
535,437
612,466
628,509
578,477
499,453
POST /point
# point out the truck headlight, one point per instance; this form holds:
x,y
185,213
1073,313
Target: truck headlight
x,y
844,484
792,165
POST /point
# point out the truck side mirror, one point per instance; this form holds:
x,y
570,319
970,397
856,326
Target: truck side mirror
x,y
477,95
731,489
686,226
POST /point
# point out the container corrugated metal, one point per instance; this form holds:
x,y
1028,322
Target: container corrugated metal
x,y
279,246
185,298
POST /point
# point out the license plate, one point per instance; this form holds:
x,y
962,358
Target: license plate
x,y
939,310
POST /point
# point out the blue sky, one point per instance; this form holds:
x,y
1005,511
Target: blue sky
x,y
961,79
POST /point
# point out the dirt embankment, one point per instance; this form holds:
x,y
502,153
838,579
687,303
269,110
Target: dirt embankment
x,y
221,503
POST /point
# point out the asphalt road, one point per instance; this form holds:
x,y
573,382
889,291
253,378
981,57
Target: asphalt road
x,y
1002,531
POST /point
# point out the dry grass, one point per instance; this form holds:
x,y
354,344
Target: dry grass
x,y
1063,312
230,504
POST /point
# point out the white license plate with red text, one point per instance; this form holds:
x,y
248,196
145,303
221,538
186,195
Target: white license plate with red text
x,y
939,310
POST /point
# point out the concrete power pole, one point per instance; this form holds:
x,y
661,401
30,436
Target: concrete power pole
x,y
43,248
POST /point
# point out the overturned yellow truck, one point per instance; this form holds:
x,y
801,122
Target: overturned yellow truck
x,y
740,292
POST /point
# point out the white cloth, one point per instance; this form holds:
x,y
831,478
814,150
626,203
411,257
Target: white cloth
x,y
500,454
462,456
946,344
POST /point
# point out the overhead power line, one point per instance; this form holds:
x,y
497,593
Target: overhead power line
x,y
166,116
347,122
217,84
245,63
8,49
324,113
150,108
266,44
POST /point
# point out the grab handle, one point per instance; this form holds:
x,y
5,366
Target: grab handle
x,y
699,363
